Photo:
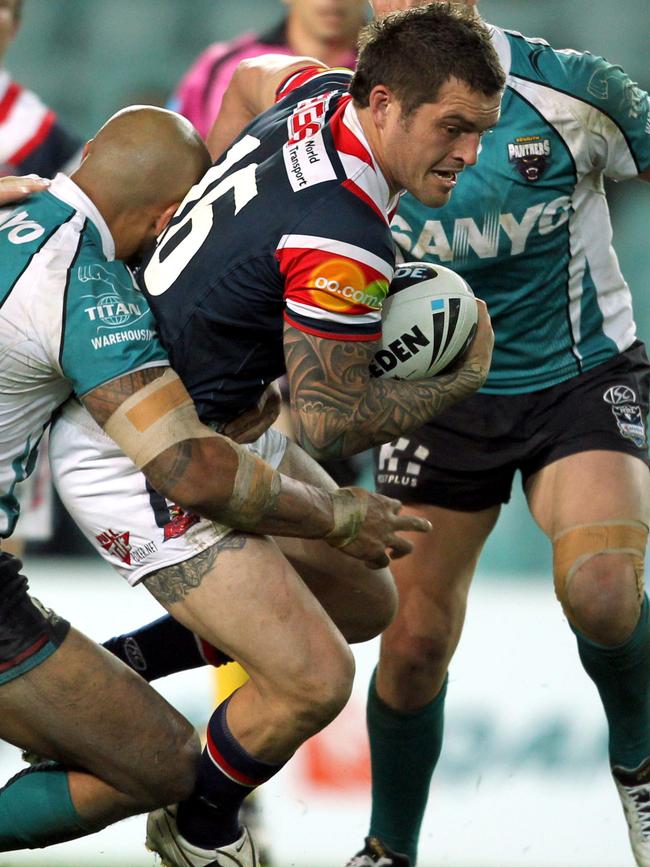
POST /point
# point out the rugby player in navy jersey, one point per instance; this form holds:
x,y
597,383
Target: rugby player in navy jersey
x,y
73,322
282,255
565,403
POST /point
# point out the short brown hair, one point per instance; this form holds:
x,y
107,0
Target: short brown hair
x,y
416,51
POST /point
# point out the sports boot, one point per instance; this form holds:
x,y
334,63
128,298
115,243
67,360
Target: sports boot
x,y
175,851
375,854
634,791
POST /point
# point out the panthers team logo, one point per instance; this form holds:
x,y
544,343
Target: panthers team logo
x,y
627,413
530,155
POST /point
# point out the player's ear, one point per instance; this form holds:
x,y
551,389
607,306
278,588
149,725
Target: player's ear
x,y
165,216
380,102
86,149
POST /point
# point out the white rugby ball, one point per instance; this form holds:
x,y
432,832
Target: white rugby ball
x,y
428,319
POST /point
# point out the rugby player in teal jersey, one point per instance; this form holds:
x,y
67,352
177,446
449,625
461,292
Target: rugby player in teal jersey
x,y
565,403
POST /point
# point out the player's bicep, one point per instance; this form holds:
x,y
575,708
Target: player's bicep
x,y
104,400
146,413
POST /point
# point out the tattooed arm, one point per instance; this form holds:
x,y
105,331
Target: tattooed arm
x,y
338,410
201,474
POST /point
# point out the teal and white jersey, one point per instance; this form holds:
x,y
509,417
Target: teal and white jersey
x,y
71,318
528,227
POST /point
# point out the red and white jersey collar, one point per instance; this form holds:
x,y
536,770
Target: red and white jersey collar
x,y
355,154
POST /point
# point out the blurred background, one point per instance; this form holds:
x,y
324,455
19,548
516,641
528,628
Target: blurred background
x,y
524,779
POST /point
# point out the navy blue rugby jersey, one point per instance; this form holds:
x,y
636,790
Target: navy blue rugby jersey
x,y
291,224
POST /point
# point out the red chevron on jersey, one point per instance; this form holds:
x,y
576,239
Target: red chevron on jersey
x,y
296,79
37,139
8,100
25,122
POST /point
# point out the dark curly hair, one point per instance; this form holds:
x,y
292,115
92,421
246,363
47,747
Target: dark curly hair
x,y
416,51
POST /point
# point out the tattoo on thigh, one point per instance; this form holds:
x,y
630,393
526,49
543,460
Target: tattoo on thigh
x,y
173,583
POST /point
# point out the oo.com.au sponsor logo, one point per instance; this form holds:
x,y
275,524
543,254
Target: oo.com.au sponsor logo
x,y
340,284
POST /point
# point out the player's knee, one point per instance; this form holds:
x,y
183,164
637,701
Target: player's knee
x,y
421,656
321,691
423,645
598,572
172,776
182,780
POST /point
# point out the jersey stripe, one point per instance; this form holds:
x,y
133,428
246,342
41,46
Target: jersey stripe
x,y
311,312
555,106
44,242
363,334
82,233
225,767
337,248
39,136
22,123
9,99
296,79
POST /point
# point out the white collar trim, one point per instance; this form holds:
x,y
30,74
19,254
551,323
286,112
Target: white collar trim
x,y
64,188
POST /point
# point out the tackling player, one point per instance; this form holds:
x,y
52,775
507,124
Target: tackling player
x,y
282,254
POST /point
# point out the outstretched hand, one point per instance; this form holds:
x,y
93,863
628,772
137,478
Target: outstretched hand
x,y
377,529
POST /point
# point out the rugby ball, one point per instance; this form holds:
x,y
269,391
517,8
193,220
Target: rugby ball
x,y
428,319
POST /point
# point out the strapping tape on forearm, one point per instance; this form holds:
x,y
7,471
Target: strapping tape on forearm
x,y
155,418
255,490
574,547
349,514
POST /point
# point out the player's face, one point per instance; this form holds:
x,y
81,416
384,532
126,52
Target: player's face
x,y
423,152
329,20
8,24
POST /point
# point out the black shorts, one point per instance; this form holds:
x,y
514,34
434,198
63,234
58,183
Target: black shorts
x,y
466,459
29,633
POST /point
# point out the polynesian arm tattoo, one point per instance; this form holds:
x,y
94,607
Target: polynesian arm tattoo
x,y
338,410
102,401
169,467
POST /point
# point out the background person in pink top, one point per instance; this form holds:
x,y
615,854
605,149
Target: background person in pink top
x,y
326,29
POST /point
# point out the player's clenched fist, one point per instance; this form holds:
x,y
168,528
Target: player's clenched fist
x,y
367,524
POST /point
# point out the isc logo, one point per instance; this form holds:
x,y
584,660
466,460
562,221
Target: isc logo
x,y
19,230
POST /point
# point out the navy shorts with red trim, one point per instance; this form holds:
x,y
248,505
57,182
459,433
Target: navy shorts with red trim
x,y
29,633
467,457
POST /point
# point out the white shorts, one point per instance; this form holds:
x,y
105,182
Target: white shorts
x,y
36,501
134,528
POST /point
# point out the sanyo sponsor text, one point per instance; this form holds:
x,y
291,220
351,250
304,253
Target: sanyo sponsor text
x,y
486,240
